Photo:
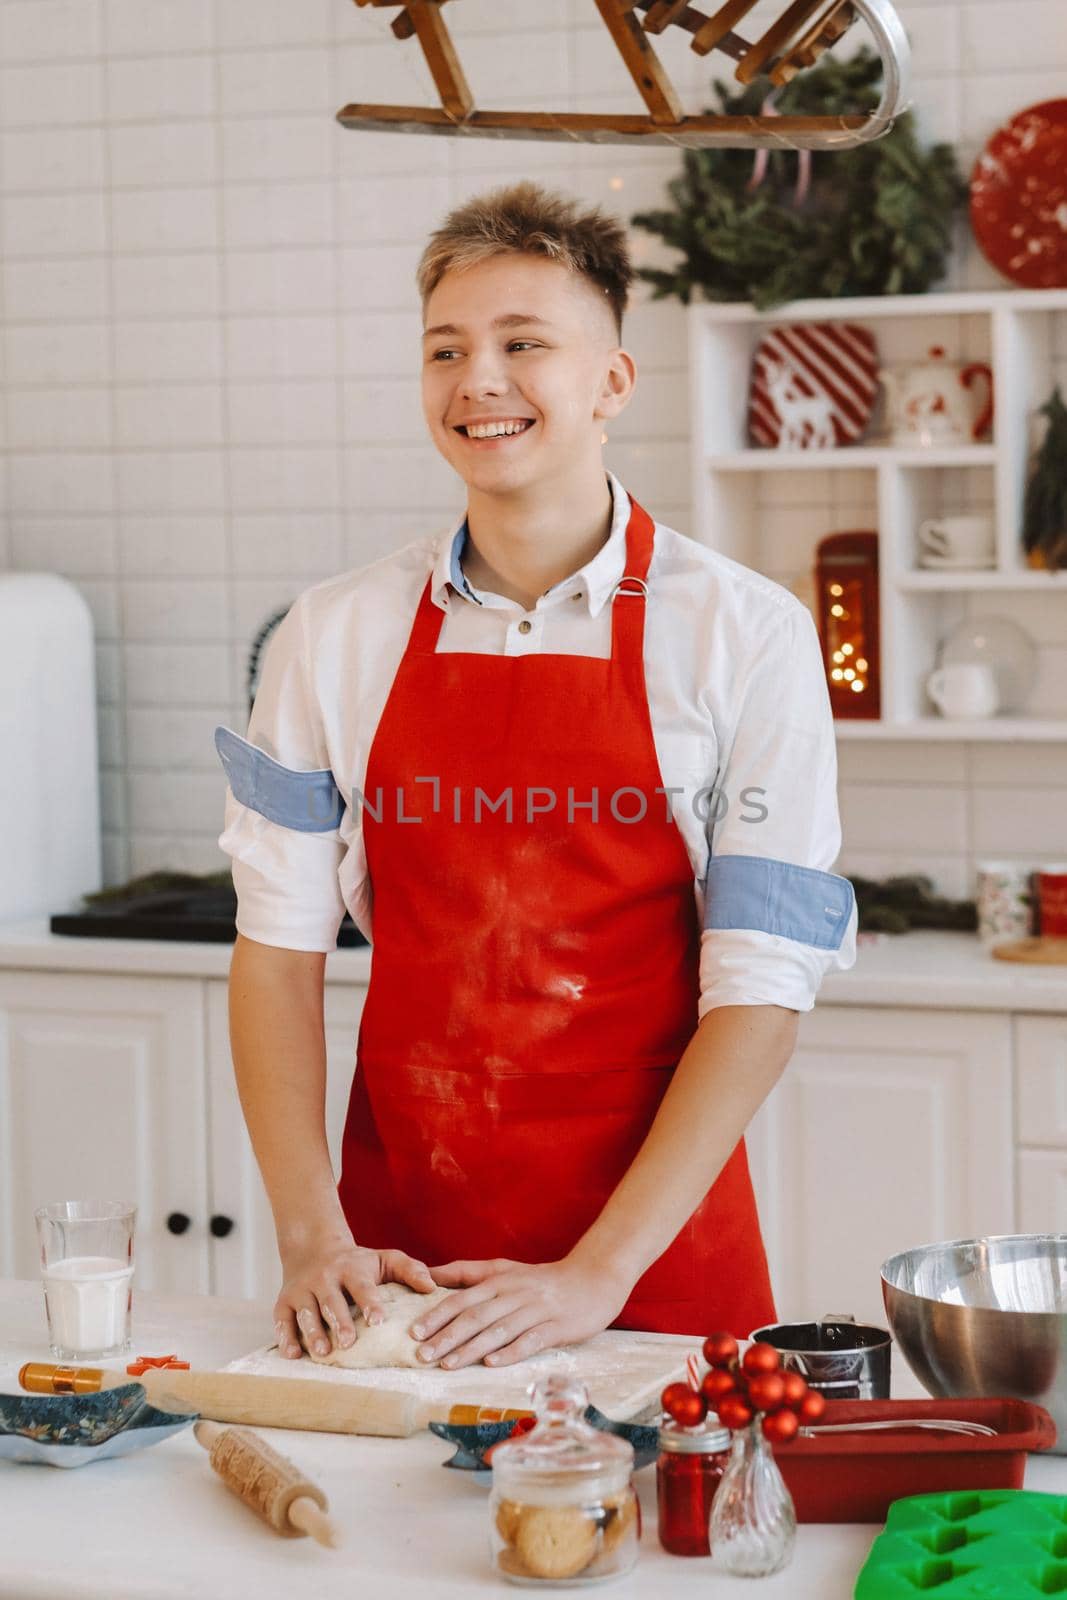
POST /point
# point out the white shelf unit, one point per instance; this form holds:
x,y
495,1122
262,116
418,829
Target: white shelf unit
x,y
754,504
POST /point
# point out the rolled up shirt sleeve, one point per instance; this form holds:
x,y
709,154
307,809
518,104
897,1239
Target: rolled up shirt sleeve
x,y
776,918
283,809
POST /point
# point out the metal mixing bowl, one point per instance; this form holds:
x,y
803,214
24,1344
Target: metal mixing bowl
x,y
985,1317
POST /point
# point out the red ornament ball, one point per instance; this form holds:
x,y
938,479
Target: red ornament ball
x,y
781,1426
760,1358
766,1391
716,1385
812,1407
685,1405
735,1412
720,1349
794,1388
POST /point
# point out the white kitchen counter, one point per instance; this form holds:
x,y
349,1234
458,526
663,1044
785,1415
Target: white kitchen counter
x,y
160,1525
947,971
31,946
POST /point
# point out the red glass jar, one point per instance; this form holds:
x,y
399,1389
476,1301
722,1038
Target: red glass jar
x,y
689,1470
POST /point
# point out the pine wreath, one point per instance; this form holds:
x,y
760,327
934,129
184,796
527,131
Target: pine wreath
x,y
877,218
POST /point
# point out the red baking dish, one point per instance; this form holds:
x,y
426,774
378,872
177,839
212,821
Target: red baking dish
x,y
853,1477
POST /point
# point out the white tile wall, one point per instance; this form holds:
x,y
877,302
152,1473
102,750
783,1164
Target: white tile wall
x,y
207,344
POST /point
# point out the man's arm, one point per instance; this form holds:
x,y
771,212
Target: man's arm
x,y
730,1066
508,1311
278,1043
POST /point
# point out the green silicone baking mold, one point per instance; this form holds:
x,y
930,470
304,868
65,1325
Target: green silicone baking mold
x,y
983,1544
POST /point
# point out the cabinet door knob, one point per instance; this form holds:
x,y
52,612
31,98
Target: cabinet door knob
x,y
221,1226
178,1222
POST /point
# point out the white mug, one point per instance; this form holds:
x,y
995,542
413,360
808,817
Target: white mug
x,y
963,689
966,540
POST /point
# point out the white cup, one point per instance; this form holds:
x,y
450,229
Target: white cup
x,y
963,689
966,541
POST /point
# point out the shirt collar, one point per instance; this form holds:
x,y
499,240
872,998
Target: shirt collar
x,y
595,581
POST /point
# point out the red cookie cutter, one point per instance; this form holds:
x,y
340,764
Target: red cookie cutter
x,y
142,1364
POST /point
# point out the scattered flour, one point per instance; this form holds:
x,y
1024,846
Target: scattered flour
x,y
623,1373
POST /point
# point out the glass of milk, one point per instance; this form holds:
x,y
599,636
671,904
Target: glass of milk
x,y
87,1268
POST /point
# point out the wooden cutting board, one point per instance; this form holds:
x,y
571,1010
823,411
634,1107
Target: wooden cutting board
x,y
1045,951
623,1373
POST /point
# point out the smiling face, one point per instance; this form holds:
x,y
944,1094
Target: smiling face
x,y
520,369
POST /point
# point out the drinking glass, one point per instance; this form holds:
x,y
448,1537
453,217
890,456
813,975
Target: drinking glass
x,y
87,1269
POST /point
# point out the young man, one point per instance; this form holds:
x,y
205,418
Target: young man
x,y
575,776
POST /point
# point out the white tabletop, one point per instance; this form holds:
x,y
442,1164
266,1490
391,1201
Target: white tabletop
x,y
160,1524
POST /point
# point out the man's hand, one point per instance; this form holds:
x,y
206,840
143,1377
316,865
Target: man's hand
x,y
506,1311
322,1275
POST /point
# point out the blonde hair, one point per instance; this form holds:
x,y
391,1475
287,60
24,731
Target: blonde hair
x,y
524,219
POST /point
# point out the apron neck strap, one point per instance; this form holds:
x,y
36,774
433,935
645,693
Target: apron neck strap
x,y
629,596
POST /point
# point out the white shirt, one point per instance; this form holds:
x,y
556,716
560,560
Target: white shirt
x,y
738,703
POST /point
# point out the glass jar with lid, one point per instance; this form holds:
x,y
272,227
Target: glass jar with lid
x,y
690,1468
563,1507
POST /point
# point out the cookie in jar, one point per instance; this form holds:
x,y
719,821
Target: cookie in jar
x,y
563,1507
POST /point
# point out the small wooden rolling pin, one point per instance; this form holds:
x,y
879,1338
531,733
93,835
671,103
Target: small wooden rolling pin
x,y
301,1403
271,1484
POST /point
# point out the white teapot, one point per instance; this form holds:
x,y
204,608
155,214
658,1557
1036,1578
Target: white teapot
x,y
935,403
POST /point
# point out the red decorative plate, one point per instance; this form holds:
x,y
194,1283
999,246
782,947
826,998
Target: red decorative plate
x,y
1019,197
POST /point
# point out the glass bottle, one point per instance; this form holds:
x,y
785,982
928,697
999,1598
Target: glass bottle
x,y
562,1507
753,1523
690,1468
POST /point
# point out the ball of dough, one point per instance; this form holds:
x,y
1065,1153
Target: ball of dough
x,y
555,1541
389,1342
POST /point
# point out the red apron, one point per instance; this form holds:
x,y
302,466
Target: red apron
x,y
534,976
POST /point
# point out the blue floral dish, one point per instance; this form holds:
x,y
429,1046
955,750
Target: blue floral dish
x,y
472,1440
71,1430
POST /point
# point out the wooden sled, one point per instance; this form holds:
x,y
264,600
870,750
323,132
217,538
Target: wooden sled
x,y
805,29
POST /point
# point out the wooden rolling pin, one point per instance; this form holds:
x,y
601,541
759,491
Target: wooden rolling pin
x,y
302,1403
270,1483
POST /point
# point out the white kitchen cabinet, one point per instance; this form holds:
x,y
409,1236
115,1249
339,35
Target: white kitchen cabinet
x,y
890,1128
118,1087
1041,1081
1042,1191
102,1096
1041,1114
245,1257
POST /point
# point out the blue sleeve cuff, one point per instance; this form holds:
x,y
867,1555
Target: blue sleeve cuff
x,y
309,802
768,896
